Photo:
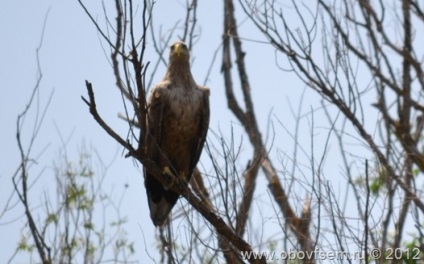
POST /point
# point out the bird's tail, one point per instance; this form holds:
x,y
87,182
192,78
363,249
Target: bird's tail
x,y
160,200
159,210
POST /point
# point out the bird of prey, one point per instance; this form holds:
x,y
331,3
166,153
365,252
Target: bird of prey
x,y
177,124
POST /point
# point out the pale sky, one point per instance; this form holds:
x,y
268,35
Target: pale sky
x,y
72,53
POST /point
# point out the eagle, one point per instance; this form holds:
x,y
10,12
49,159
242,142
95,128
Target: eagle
x,y
177,124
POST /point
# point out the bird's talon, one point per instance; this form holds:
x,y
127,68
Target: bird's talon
x,y
167,171
171,177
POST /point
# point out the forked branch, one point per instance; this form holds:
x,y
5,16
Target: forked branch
x,y
299,225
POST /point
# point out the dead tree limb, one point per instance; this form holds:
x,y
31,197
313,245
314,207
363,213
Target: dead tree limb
x,y
299,225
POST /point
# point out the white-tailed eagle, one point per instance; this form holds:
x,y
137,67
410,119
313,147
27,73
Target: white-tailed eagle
x,y
178,120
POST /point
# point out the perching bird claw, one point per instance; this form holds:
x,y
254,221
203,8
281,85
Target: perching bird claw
x,y
172,179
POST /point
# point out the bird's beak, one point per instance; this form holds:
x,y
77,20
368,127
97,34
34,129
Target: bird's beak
x,y
178,50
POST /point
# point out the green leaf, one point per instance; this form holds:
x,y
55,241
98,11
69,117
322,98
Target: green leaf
x,y
89,225
375,186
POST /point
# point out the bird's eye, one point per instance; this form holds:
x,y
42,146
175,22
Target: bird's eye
x,y
172,47
184,46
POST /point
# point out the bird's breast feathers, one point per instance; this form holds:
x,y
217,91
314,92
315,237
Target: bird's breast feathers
x,y
182,102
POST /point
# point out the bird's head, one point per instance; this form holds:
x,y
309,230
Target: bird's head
x,y
179,51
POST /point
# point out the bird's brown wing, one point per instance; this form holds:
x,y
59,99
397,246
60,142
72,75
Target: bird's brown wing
x,y
202,129
154,122
160,200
